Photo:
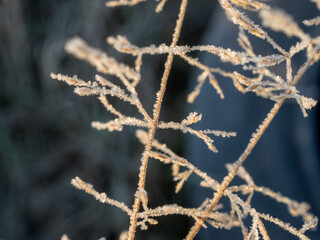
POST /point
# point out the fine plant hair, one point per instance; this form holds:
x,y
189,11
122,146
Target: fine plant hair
x,y
257,76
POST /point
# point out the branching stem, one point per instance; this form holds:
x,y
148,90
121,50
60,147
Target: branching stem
x,y
227,180
252,143
156,114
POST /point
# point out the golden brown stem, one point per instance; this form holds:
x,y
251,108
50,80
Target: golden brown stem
x,y
226,181
253,141
156,114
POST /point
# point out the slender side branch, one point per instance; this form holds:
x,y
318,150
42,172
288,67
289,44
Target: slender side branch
x,y
102,197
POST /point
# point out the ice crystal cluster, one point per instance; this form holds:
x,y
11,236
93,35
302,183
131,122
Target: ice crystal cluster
x,y
257,76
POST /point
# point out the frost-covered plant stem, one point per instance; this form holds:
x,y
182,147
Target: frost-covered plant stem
x,y
264,82
227,180
252,143
156,114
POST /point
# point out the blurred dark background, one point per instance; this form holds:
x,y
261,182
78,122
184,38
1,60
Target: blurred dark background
x,y
45,133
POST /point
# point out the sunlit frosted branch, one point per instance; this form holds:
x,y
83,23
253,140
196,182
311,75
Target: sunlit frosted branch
x,y
101,197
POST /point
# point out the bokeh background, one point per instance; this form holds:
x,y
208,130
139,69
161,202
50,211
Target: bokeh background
x,y
46,138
